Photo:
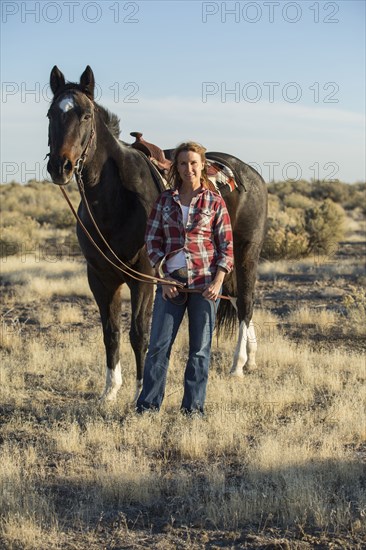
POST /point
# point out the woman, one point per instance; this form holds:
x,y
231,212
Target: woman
x,y
189,239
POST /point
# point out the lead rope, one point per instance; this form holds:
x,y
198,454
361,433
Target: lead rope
x,y
127,270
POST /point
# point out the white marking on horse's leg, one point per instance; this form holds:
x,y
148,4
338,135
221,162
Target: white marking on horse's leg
x,y
240,354
251,348
138,390
113,383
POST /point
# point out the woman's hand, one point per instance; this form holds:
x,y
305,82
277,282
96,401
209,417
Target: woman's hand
x,y
170,291
213,290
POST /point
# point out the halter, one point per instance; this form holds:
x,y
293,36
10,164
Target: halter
x,y
79,164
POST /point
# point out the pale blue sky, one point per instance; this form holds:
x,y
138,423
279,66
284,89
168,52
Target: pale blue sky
x,y
296,72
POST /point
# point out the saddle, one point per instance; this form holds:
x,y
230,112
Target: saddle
x,y
220,175
153,152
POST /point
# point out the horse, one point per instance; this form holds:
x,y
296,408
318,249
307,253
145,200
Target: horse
x,y
121,187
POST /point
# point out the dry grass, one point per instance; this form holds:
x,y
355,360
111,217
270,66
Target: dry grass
x,y
39,278
322,319
282,449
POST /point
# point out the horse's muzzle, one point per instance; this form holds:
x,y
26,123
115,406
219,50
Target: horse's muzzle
x,y
61,169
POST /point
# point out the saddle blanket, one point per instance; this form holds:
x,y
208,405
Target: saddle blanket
x,y
221,176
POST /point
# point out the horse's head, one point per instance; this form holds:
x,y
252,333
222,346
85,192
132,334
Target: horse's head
x,y
71,124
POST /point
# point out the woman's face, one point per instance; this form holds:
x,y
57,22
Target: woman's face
x,y
190,166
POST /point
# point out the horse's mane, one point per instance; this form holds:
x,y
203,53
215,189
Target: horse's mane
x,y
111,121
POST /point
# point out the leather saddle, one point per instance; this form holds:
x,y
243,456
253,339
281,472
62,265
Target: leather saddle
x,y
152,151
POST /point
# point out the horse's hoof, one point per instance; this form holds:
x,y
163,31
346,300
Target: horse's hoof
x,y
137,392
112,384
237,373
250,367
108,396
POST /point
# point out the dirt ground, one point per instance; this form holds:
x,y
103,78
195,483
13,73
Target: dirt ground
x,y
322,285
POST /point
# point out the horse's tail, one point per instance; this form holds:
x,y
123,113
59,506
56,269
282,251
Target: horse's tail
x,y
227,316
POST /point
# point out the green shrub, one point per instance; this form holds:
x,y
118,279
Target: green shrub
x,y
324,226
296,200
34,215
354,303
297,232
284,242
41,201
19,235
306,218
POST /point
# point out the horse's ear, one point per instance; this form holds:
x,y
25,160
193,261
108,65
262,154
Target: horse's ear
x,y
57,80
87,82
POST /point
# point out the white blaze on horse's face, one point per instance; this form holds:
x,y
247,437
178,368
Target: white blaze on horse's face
x,y
67,103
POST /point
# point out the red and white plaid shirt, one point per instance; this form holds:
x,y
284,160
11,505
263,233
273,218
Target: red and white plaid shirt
x,y
206,241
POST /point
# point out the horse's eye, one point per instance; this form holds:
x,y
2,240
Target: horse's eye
x,y
86,116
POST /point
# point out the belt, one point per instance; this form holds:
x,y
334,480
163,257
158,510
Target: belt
x,y
181,272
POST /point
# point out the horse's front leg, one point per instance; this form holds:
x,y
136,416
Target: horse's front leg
x,y
141,308
109,303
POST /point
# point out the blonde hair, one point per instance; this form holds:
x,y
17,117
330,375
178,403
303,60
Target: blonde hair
x,y
174,179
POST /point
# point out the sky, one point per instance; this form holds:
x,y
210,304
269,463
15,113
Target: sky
x,y
279,84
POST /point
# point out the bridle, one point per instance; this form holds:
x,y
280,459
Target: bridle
x,y
123,267
79,164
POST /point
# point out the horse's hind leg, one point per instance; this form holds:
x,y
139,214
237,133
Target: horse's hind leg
x,y
252,346
245,351
109,303
246,271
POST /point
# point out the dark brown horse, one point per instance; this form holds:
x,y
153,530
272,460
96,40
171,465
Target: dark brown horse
x,y
121,188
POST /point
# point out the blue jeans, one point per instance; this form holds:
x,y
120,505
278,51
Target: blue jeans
x,y
166,320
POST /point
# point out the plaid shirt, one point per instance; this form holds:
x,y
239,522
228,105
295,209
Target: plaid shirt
x,y
207,239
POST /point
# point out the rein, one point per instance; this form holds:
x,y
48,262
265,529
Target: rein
x,y
124,268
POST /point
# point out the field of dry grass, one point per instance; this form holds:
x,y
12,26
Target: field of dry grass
x,y
278,461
